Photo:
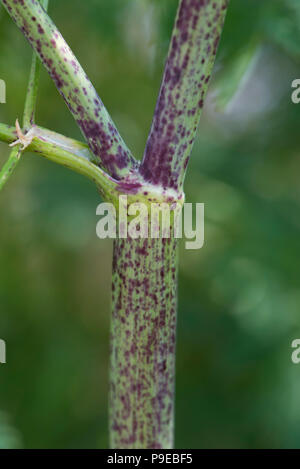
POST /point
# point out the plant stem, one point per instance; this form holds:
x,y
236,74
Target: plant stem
x,y
143,327
192,53
10,165
28,116
8,133
33,85
143,343
67,152
73,84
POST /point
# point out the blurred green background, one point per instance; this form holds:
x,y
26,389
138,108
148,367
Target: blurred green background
x,y
239,296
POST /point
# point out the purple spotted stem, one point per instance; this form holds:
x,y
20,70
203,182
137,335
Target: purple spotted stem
x,y
143,324
72,83
192,53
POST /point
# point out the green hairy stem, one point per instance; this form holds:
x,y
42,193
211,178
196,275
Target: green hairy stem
x,y
144,284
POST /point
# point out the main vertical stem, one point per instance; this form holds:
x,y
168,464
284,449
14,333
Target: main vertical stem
x,y
143,333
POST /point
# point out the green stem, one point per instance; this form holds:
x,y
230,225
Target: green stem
x,y
30,102
67,152
10,166
32,90
105,183
143,343
28,116
7,133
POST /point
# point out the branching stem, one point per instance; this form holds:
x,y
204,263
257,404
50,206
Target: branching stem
x,y
65,151
143,332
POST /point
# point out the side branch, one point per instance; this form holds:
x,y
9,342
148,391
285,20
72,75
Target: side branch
x,y
65,151
70,79
191,57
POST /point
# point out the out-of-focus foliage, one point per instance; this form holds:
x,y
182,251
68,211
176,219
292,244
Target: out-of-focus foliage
x,y
9,437
239,296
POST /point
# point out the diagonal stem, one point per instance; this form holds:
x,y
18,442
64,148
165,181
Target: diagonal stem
x,y
191,57
10,165
70,79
